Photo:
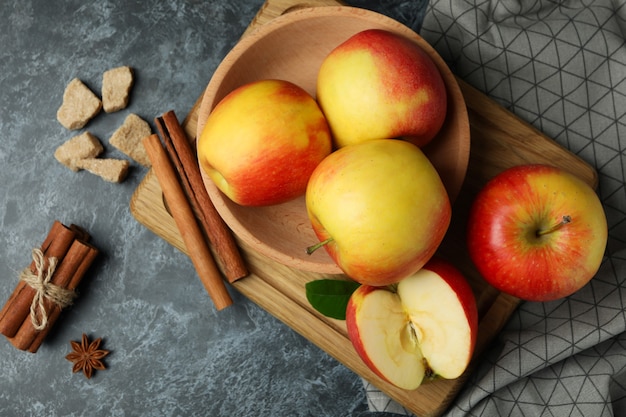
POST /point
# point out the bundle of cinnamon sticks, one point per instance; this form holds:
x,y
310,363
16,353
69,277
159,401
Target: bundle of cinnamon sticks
x,y
59,264
203,231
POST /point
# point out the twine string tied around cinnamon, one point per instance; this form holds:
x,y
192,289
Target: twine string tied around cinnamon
x,y
44,289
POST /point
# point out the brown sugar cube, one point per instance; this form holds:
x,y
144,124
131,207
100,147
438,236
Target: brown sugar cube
x,y
116,85
79,105
79,147
112,170
127,138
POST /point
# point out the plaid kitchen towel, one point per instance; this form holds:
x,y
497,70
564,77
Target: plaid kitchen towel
x,y
561,66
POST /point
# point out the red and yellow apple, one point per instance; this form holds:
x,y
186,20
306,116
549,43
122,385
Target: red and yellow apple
x,y
426,325
378,85
537,232
262,141
379,208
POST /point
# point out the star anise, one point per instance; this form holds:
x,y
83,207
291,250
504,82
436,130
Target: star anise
x,y
86,356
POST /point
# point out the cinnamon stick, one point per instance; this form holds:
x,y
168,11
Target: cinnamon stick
x,y
68,275
186,163
183,215
17,307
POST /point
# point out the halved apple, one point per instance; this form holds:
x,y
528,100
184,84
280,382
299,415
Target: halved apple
x,y
426,325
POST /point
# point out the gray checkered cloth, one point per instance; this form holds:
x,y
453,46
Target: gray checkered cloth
x,y
561,66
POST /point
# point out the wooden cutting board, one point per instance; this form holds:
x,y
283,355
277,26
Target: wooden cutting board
x,y
499,140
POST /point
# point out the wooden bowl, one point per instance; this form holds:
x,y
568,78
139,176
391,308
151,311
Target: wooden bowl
x,y
292,47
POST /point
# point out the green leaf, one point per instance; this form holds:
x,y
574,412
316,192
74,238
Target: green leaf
x,y
330,296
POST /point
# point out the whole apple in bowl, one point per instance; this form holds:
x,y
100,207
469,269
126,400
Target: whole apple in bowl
x,y
292,47
379,208
379,85
537,232
267,156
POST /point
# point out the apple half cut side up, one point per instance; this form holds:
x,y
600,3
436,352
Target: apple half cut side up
x,y
380,332
427,326
441,305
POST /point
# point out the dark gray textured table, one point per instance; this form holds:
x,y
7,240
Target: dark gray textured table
x,y
172,354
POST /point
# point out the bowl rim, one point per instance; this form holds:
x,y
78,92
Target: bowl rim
x,y
291,17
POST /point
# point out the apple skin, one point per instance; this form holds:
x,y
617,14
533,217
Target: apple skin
x,y
262,141
384,207
428,325
379,85
504,221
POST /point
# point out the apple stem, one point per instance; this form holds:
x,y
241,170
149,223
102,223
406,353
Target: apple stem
x,y
566,219
318,245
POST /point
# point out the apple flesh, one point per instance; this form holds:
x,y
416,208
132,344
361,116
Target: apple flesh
x,y
537,232
381,334
379,85
428,325
262,141
380,208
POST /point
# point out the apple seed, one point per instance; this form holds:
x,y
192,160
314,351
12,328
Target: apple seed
x,y
409,339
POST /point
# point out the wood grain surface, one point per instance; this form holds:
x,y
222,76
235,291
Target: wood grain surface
x,y
499,140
